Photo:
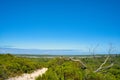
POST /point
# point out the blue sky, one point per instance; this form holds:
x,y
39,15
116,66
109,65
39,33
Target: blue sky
x,y
59,24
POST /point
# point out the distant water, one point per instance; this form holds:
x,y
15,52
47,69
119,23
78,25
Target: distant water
x,y
44,52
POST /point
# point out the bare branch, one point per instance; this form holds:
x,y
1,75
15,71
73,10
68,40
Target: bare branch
x,y
92,51
101,66
111,49
109,66
77,60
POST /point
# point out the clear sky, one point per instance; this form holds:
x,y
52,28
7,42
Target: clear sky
x,y
59,24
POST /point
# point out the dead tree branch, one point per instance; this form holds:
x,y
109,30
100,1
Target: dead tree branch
x,y
92,51
110,50
109,66
77,60
101,66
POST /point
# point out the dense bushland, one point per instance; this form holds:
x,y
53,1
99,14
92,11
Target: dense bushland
x,y
66,69
61,68
11,66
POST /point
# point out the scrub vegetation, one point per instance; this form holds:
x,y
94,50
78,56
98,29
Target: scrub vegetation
x,y
105,67
96,68
11,65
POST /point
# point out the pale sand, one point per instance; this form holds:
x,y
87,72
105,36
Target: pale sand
x,y
30,76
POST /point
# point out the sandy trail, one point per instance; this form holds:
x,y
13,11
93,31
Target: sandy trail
x,y
30,76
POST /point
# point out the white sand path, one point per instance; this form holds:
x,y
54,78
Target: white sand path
x,y
30,76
